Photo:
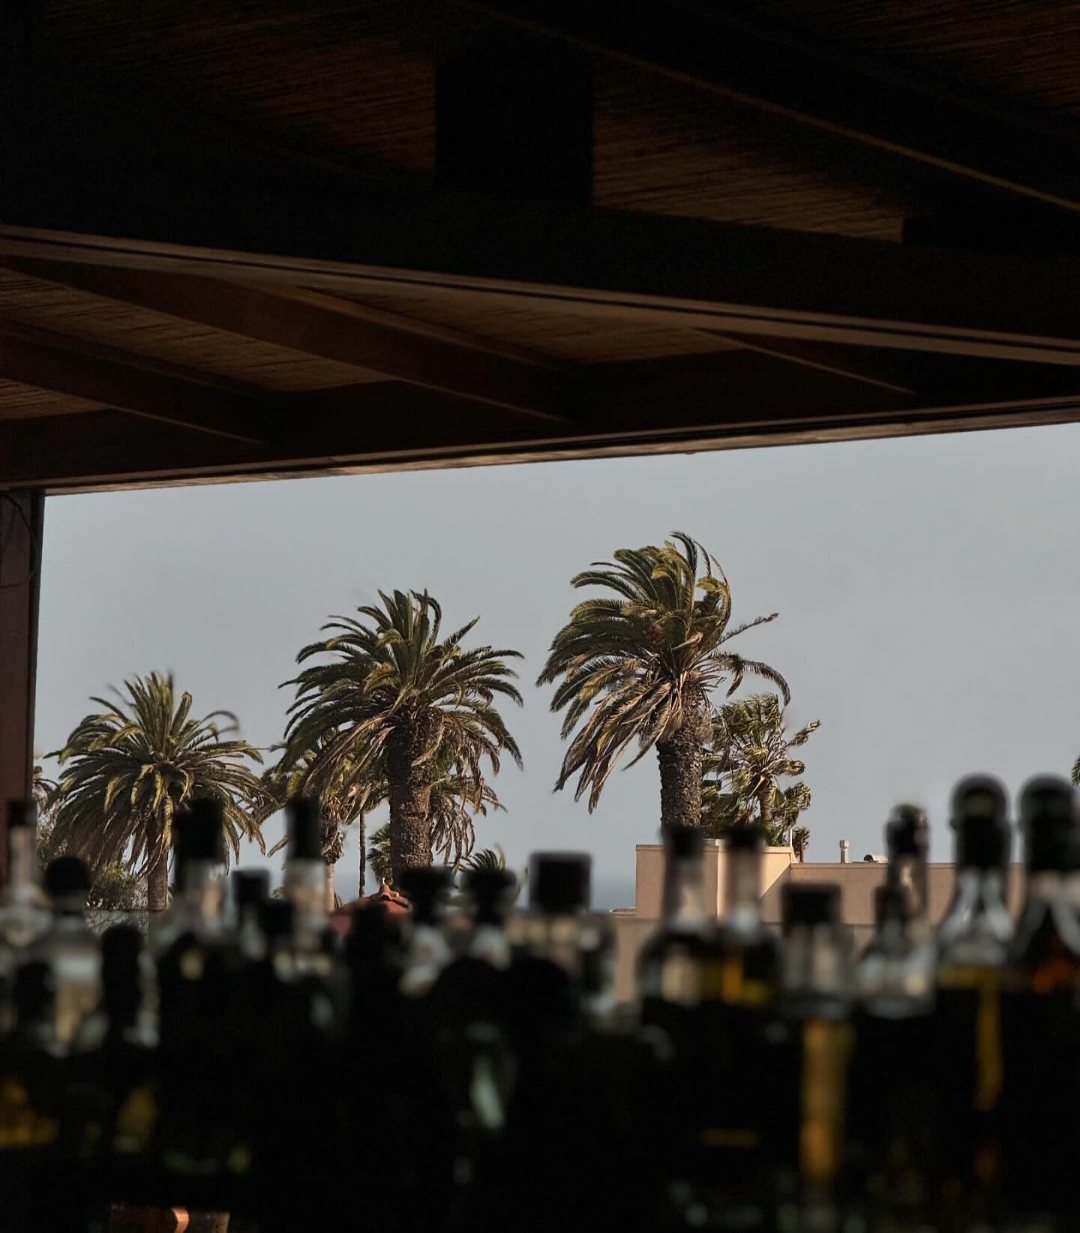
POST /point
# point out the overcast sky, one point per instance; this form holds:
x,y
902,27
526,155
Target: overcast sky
x,y
926,591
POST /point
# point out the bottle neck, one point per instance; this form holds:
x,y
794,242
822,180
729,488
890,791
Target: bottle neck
x,y
742,889
201,890
305,888
22,865
815,961
684,895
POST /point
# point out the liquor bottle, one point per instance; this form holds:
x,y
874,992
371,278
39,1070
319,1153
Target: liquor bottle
x,y
69,948
891,1104
811,1046
1042,1018
250,890
24,911
732,1093
967,1061
426,949
670,962
203,1030
305,884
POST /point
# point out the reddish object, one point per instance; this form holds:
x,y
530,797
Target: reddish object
x,y
385,898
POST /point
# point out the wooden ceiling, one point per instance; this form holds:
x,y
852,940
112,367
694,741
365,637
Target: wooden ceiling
x,y
244,238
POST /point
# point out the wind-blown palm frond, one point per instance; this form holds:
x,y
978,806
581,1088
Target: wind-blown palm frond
x,y
636,671
750,753
391,700
128,767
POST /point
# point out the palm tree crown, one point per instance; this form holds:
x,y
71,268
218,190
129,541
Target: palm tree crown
x,y
391,697
128,768
750,754
639,667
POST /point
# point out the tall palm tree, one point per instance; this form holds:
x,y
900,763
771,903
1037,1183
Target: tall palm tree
x,y
390,692
639,667
126,770
749,755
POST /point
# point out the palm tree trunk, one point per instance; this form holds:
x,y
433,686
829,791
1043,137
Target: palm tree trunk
x,y
764,800
157,875
409,781
330,868
361,821
682,759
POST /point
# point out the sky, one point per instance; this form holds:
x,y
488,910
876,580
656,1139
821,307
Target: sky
x,y
925,585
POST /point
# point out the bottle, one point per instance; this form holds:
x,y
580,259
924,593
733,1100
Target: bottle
x,y
1042,1017
811,1047
250,890
732,1085
305,875
891,1106
670,962
968,1058
24,911
69,948
426,949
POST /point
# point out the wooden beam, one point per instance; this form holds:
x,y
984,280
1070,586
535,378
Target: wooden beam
x,y
746,281
393,426
739,52
21,521
417,352
134,383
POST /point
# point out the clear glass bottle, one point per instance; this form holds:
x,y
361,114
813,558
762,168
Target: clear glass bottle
x,y
24,910
670,962
305,876
69,948
968,1058
891,1090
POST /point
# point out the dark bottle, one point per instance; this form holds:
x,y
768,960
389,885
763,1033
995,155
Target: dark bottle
x,y
203,1029
890,1115
967,1061
427,951
812,1048
1042,1015
729,1089
670,962
69,948
24,911
250,890
306,885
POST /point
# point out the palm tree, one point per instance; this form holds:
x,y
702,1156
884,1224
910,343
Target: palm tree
x,y
127,769
750,754
640,667
392,696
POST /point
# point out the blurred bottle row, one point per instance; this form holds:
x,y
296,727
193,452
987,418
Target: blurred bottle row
x,y
465,1067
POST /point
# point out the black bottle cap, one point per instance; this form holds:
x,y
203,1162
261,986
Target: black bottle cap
x,y
492,891
425,888
810,903
22,814
303,825
277,917
683,842
199,832
744,839
250,887
980,818
67,877
559,881
1048,818
907,832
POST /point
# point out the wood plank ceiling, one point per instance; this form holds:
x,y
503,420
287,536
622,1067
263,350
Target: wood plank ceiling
x,y
244,239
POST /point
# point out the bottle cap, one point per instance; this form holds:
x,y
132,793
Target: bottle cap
x,y
22,814
277,917
807,903
744,839
67,877
980,818
199,832
683,842
559,881
907,832
425,888
1048,817
492,891
250,887
303,825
